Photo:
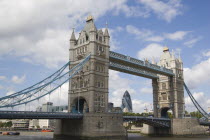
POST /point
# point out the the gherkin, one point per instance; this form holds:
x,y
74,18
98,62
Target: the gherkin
x,y
126,102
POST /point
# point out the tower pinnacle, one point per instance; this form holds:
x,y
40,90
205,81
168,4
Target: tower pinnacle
x,y
73,38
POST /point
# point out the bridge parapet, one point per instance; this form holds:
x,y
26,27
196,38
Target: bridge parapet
x,y
156,122
114,57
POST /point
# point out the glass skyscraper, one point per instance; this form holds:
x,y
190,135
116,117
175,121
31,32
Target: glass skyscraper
x,y
126,102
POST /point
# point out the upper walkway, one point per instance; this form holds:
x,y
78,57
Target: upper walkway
x,y
134,66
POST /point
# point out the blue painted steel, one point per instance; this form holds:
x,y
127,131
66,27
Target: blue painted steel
x,y
33,87
114,65
157,122
38,115
27,96
199,108
137,62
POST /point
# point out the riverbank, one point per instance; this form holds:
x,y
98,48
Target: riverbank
x,y
30,133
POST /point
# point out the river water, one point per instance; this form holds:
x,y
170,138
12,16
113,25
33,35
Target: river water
x,y
131,136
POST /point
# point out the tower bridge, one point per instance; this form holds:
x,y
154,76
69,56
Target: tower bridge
x,y
90,59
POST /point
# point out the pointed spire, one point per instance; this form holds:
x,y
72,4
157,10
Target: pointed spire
x,y
106,33
73,38
90,26
180,59
172,55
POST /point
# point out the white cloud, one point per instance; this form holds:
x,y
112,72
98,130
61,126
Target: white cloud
x,y
10,92
139,105
146,90
18,80
198,74
1,87
148,35
3,78
40,38
117,86
192,42
139,33
151,51
206,53
201,98
165,10
133,11
178,35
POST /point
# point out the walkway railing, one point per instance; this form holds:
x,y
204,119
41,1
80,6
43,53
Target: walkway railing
x,y
114,57
38,115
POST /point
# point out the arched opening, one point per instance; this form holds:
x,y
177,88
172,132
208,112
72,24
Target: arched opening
x,y
166,112
80,106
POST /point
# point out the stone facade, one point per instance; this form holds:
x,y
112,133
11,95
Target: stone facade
x,y
168,92
89,89
187,126
97,126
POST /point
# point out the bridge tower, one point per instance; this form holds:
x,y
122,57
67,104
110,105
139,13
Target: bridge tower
x,y
169,91
88,90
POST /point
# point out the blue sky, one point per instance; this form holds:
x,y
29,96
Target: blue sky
x,y
34,41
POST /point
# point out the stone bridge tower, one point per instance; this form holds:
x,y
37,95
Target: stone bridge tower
x,y
168,92
88,90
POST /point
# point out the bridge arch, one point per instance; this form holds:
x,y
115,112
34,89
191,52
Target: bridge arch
x,y
79,105
165,112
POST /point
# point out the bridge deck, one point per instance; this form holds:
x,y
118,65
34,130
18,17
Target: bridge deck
x,y
132,63
38,115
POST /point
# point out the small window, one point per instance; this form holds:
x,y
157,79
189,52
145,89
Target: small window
x,y
163,85
100,38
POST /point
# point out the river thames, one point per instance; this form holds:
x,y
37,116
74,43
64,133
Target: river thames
x,y
131,136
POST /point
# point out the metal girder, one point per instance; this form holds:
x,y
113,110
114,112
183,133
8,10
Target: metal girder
x,y
131,70
157,122
38,115
43,89
135,63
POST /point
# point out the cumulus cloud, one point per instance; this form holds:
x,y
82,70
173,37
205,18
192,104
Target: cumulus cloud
x,y
164,10
139,33
192,42
151,51
140,105
206,53
10,92
118,85
37,32
40,38
178,35
146,90
18,80
201,98
197,75
148,35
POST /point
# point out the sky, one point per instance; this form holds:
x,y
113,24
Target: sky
x,y
34,42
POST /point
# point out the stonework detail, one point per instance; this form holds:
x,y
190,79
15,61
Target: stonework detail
x,y
168,91
91,84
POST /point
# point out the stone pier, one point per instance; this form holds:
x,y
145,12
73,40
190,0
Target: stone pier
x,y
179,127
103,126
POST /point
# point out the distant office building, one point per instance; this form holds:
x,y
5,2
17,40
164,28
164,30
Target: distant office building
x,y
48,107
111,108
20,124
46,123
126,102
42,123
